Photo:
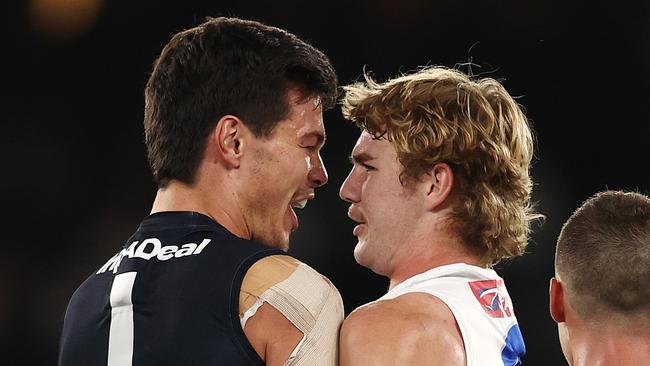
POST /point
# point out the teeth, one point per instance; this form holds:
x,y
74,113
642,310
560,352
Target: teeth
x,y
299,204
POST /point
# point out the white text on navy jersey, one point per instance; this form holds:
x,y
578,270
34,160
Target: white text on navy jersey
x,y
150,248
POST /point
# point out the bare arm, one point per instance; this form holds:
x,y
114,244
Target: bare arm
x,y
272,336
414,329
300,313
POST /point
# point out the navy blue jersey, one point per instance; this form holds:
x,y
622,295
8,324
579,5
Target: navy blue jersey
x,y
169,297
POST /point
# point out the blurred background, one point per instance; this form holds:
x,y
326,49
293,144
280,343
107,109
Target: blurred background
x,y
75,181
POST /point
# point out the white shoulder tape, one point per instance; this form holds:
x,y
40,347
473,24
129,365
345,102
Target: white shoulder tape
x,y
250,312
313,305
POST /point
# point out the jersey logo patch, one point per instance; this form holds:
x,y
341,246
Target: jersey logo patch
x,y
493,297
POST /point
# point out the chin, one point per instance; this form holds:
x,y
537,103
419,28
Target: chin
x,y
369,259
360,255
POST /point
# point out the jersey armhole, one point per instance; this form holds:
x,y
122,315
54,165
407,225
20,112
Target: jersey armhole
x,y
462,327
240,337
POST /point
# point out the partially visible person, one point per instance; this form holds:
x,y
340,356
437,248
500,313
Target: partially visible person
x,y
234,128
440,187
600,296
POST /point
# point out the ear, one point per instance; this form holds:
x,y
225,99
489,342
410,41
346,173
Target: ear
x,y
556,300
439,184
227,140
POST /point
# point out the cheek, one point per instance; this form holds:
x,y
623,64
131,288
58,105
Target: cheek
x,y
298,168
389,212
293,165
290,174
378,195
308,165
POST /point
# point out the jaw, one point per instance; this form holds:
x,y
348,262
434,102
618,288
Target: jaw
x,y
269,228
269,219
273,239
371,256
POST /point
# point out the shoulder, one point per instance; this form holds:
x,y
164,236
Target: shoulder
x,y
277,268
282,279
271,270
282,294
411,329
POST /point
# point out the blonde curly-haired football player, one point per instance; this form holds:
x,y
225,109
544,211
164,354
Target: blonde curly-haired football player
x,y
440,187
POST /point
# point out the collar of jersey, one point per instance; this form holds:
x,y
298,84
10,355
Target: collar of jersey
x,y
170,219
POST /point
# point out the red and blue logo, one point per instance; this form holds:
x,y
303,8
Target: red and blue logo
x,y
493,297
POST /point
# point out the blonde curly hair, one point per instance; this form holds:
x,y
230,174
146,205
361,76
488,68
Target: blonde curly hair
x,y
440,115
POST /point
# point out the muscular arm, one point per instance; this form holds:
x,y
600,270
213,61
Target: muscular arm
x,y
272,335
413,329
296,303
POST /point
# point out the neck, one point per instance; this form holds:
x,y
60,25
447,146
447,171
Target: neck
x,y
615,348
430,255
178,196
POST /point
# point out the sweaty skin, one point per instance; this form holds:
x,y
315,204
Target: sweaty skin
x,y
398,331
614,341
277,177
250,184
396,224
308,302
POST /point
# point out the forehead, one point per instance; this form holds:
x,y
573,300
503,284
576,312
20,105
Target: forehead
x,y
305,117
367,144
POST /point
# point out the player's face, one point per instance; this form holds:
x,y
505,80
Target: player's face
x,y
286,168
386,210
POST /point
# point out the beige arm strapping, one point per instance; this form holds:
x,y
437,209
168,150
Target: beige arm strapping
x,y
313,305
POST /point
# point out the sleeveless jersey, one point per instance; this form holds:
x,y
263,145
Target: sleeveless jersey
x,y
481,305
169,297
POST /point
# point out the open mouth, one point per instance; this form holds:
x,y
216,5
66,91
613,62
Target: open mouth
x,y
299,204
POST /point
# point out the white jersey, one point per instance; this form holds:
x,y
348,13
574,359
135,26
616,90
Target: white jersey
x,y
481,305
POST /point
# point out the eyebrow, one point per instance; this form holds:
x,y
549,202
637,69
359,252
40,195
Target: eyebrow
x,y
360,158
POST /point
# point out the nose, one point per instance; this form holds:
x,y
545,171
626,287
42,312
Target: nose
x,y
349,191
318,173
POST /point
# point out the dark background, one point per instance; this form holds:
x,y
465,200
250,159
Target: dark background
x,y
75,181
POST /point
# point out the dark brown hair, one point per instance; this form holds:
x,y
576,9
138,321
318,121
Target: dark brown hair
x,y
603,255
225,66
